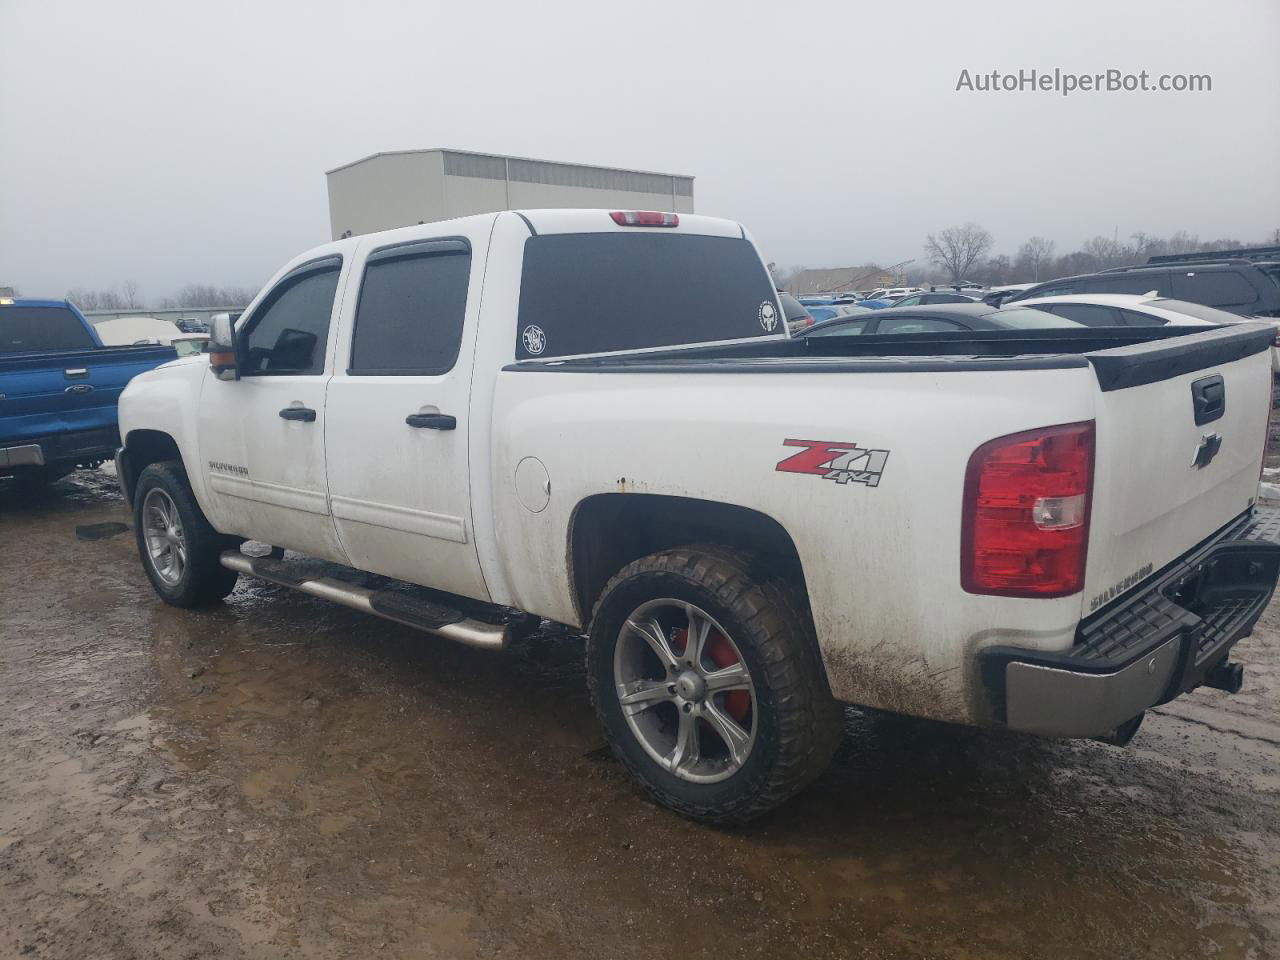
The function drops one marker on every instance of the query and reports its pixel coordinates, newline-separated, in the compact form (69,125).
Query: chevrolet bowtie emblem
(1210,444)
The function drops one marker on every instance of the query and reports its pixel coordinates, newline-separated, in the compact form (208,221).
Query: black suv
(1238,285)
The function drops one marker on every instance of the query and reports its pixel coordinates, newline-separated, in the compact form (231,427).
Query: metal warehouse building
(405,187)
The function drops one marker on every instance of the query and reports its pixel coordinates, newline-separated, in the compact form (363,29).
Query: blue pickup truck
(58,389)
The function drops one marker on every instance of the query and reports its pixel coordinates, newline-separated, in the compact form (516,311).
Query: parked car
(931,297)
(942,318)
(893,293)
(58,389)
(1239,286)
(997,296)
(749,528)
(796,315)
(1119,309)
(1128,310)
(187,344)
(822,313)
(191,325)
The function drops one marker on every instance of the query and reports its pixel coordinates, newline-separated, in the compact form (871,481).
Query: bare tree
(130,290)
(957,249)
(195,295)
(84,299)
(1034,256)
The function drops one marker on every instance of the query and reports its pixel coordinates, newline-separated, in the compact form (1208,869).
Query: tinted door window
(412,303)
(287,334)
(1221,288)
(600,292)
(918,325)
(32,329)
(1091,315)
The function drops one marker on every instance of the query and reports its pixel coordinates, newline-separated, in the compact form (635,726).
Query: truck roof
(32,302)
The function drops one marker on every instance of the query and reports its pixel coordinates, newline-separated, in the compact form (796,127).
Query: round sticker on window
(768,314)
(535,341)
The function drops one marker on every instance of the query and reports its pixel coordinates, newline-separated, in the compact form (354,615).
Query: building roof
(499,156)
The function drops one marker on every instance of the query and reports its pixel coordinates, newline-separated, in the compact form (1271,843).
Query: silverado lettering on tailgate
(832,460)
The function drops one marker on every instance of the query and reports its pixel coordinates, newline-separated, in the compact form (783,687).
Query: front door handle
(432,421)
(305,414)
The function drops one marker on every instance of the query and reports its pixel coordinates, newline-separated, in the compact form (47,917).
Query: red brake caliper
(736,702)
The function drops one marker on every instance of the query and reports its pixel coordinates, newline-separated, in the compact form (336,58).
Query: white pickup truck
(597,419)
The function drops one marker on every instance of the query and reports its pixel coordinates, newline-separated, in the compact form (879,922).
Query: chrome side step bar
(405,608)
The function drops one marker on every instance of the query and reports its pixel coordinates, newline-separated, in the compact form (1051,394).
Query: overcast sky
(171,141)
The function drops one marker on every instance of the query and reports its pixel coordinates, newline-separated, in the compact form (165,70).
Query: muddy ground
(280,777)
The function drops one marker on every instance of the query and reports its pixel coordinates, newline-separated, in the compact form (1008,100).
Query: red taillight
(644,218)
(1027,499)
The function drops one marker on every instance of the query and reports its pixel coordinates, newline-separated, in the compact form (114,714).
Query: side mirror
(222,347)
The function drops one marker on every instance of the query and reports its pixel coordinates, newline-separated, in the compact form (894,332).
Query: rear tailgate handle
(1209,399)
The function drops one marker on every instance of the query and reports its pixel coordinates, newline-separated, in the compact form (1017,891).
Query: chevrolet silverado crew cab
(597,419)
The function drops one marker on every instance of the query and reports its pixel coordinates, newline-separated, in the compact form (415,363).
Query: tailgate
(48,393)
(1163,482)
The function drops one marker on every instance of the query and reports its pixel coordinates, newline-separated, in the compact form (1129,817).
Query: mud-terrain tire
(796,724)
(162,504)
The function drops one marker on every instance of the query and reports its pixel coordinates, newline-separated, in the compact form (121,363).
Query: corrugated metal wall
(564,174)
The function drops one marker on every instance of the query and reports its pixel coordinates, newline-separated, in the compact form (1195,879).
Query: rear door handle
(305,414)
(432,421)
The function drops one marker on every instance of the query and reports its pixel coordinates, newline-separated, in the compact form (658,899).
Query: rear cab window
(26,329)
(585,293)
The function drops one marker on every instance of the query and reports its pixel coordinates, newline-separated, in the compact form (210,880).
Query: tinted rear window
(35,329)
(600,292)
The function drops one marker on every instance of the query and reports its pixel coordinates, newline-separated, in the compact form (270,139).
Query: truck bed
(1120,356)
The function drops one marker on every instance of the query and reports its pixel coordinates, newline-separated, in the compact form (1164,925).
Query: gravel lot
(281,777)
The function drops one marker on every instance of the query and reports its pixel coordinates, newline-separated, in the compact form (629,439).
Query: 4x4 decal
(831,460)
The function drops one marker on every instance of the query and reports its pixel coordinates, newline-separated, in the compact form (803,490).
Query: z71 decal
(841,462)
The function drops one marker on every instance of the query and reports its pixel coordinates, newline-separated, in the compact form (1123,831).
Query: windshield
(602,292)
(35,329)
(1024,318)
